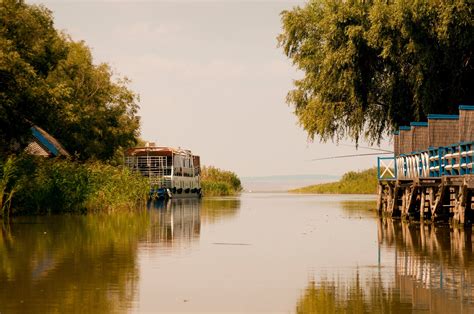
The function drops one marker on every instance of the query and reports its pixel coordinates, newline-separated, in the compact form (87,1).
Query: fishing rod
(348,156)
(370,148)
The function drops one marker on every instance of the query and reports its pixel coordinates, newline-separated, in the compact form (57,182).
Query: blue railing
(452,160)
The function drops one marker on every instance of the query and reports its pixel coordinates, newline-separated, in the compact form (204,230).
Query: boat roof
(157,150)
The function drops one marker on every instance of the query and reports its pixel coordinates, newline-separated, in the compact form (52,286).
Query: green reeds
(43,186)
(361,182)
(7,188)
(218,182)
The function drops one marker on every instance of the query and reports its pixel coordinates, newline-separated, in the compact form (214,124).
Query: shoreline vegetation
(360,182)
(51,81)
(35,186)
(218,182)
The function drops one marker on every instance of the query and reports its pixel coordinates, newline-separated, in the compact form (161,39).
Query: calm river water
(256,253)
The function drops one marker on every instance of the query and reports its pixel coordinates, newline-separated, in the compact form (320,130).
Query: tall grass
(218,182)
(361,182)
(63,186)
(7,188)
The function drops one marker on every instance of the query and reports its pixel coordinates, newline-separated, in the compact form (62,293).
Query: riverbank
(360,182)
(35,186)
(218,182)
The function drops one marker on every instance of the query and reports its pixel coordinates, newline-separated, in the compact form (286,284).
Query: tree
(371,66)
(97,115)
(29,48)
(48,79)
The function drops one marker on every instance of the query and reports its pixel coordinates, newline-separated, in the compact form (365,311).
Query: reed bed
(361,182)
(218,182)
(42,186)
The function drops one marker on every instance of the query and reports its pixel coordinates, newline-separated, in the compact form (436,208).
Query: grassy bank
(31,185)
(218,182)
(361,182)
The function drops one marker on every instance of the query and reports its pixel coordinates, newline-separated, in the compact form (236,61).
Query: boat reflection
(174,222)
(177,222)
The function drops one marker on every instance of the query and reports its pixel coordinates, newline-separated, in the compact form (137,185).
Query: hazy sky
(210,78)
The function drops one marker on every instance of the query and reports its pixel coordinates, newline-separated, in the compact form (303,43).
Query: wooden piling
(447,199)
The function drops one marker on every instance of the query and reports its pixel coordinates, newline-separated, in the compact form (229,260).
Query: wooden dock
(447,198)
(431,175)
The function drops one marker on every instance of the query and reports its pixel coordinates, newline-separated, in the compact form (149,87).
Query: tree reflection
(433,272)
(357,208)
(70,264)
(352,296)
(67,264)
(216,209)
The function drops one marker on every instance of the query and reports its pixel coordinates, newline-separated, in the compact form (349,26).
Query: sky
(210,79)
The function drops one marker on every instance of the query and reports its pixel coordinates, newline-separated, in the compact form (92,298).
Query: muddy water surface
(256,253)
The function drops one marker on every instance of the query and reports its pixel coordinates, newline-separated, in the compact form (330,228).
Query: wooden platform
(447,198)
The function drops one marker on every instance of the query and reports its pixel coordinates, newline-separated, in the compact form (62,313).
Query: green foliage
(217,182)
(362,182)
(61,186)
(371,66)
(96,116)
(7,189)
(49,80)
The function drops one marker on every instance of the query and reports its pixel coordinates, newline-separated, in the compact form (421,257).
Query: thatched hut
(44,144)
(405,139)
(443,129)
(419,136)
(466,123)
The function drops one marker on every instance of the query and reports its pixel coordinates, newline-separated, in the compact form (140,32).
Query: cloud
(154,65)
(147,30)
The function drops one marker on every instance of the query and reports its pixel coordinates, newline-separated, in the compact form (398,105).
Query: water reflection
(216,209)
(358,208)
(89,263)
(174,222)
(65,263)
(434,265)
(429,269)
(350,296)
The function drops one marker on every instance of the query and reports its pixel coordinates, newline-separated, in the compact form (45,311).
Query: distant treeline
(361,182)
(218,182)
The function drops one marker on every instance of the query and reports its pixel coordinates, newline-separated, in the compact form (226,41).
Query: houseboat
(173,173)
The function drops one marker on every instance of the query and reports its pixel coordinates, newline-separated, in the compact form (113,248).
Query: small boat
(173,173)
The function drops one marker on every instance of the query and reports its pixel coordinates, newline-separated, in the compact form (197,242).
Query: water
(284,183)
(261,252)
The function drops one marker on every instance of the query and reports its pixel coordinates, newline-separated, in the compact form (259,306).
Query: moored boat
(173,173)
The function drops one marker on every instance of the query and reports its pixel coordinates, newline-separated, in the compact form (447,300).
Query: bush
(217,182)
(63,186)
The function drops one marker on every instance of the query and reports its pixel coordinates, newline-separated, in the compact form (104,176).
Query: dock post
(380,191)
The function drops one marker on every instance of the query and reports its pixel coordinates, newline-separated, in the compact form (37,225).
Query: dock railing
(386,168)
(452,160)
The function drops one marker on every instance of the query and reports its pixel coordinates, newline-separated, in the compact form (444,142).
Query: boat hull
(165,193)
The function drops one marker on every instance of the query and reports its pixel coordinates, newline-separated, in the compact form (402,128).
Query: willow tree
(371,66)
